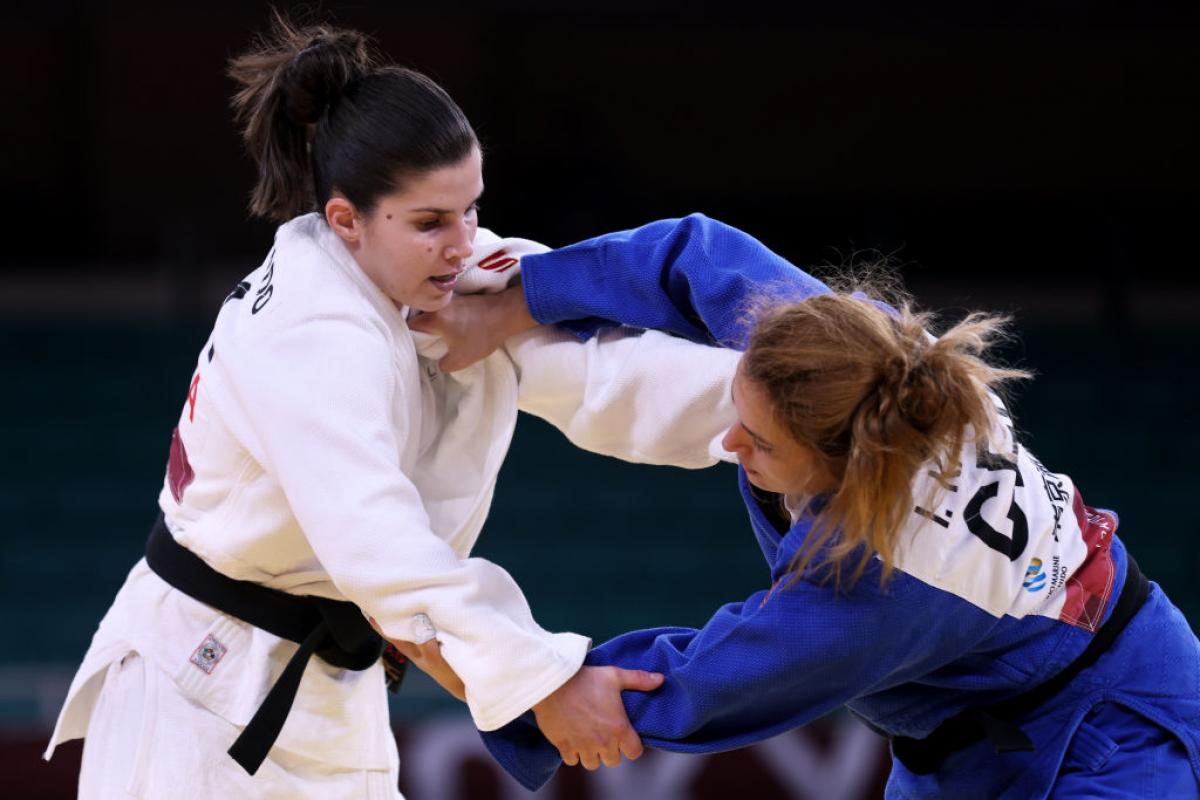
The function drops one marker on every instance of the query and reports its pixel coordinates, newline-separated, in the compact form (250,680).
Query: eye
(761,446)
(473,210)
(429,224)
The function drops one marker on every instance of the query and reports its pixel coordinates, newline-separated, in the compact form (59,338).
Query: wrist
(513,312)
(517,311)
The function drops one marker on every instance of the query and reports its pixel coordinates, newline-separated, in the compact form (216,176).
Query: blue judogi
(962,623)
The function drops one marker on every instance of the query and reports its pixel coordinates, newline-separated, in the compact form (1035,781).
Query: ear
(343,219)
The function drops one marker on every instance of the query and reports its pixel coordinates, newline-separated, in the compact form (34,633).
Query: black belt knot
(334,630)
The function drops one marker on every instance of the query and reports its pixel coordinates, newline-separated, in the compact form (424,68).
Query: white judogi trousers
(147,740)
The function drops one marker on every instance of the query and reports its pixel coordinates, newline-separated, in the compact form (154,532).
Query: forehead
(450,187)
(753,405)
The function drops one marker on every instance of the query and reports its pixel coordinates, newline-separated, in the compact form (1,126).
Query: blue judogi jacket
(997,588)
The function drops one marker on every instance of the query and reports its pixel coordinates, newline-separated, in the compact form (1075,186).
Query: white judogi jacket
(320,451)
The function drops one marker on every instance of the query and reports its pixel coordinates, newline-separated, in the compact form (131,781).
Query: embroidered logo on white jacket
(208,654)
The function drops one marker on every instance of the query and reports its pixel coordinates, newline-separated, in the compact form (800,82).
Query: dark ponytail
(319,115)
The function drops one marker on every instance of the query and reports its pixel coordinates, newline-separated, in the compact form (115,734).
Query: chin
(431,304)
(758,482)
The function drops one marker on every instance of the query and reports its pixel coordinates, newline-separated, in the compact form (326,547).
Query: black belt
(995,722)
(334,630)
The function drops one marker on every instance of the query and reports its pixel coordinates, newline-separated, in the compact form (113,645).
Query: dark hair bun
(320,72)
(319,114)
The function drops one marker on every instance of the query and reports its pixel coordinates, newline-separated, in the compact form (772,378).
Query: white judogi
(321,452)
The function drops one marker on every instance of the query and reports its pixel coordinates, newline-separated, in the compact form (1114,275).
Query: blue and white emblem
(1034,577)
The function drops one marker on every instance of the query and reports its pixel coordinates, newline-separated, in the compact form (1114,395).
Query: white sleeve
(642,397)
(321,399)
(495,262)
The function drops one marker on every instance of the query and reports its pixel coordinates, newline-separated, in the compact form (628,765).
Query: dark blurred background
(1034,158)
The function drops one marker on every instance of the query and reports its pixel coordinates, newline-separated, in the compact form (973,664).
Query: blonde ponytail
(878,399)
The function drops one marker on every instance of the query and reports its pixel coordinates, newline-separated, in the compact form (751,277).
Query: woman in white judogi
(322,452)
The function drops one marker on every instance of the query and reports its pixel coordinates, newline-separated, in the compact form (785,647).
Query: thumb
(453,362)
(639,680)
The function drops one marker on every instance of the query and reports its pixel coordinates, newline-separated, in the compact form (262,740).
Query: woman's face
(416,241)
(773,460)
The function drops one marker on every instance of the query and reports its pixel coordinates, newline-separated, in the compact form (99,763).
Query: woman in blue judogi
(926,570)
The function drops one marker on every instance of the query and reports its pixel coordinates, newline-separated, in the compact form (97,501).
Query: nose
(732,441)
(460,248)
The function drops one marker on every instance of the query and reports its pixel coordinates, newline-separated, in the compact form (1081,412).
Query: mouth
(445,283)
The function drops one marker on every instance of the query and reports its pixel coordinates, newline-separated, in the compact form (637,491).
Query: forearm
(694,277)
(645,398)
(509,313)
(486,634)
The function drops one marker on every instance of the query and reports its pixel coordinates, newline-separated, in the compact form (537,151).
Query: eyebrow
(440,211)
(760,440)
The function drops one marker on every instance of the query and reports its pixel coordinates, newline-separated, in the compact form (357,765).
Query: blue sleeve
(694,277)
(777,661)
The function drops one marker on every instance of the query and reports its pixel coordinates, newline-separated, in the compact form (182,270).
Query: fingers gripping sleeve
(778,660)
(751,672)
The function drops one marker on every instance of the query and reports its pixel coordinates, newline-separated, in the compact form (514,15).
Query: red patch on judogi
(500,261)
(179,471)
(1089,588)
